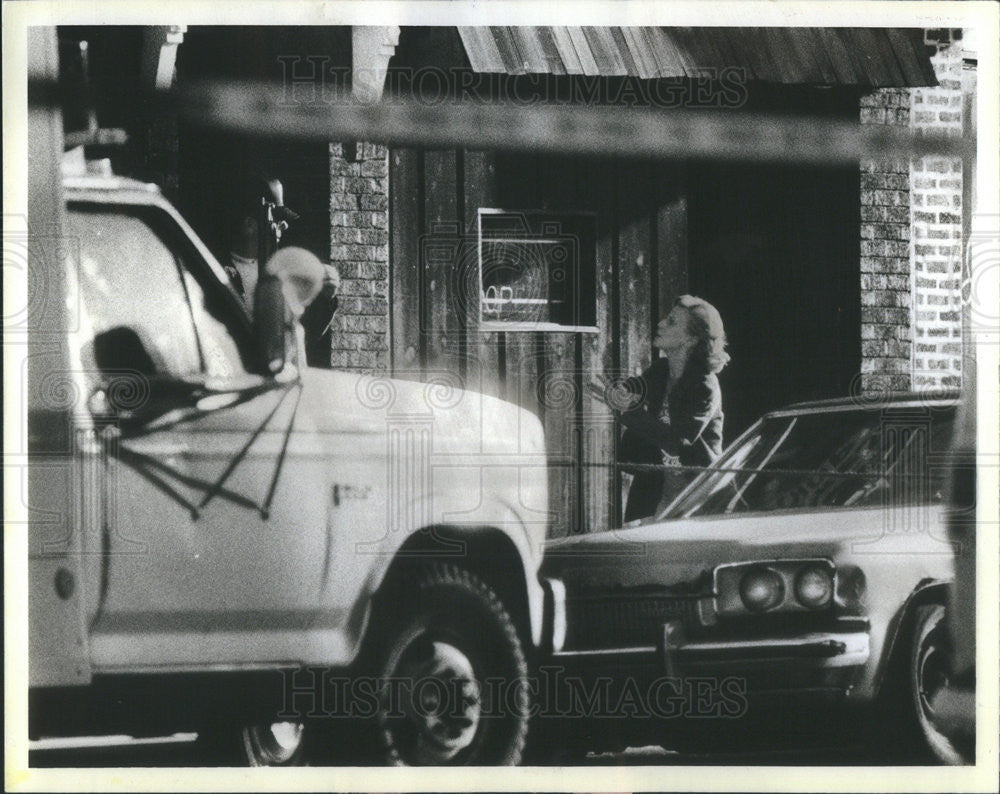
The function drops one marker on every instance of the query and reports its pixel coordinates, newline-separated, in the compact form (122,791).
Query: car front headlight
(814,587)
(761,589)
(768,586)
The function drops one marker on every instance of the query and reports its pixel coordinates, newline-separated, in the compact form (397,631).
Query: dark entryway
(775,249)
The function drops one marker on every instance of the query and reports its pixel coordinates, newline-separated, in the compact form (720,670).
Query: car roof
(873,402)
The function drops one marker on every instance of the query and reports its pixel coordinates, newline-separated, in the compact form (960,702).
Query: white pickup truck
(259,556)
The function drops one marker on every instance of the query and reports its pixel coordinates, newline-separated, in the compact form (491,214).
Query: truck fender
(520,589)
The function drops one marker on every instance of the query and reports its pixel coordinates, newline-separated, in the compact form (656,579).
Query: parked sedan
(811,561)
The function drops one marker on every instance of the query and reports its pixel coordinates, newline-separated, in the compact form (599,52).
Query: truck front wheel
(452,672)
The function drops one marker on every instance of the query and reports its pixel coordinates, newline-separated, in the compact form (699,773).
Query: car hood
(681,552)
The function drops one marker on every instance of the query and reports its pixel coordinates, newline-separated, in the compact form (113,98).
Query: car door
(194,568)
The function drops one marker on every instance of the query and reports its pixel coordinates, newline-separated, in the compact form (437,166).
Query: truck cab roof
(81,174)
(110,183)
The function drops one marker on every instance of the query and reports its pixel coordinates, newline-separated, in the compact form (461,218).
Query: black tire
(443,623)
(929,668)
(920,668)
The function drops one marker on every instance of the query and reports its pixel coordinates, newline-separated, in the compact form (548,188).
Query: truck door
(195,571)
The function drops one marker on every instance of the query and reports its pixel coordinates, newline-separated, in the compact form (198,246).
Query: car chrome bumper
(825,660)
(814,650)
(821,649)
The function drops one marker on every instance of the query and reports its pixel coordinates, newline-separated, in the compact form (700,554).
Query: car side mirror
(291,279)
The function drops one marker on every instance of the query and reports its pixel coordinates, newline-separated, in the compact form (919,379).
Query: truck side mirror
(269,323)
(291,279)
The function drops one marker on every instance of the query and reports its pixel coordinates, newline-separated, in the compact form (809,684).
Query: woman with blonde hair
(676,417)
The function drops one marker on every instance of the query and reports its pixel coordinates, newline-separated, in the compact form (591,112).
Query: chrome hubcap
(275,743)
(933,675)
(441,700)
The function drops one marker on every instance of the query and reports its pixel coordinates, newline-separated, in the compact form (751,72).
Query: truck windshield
(142,308)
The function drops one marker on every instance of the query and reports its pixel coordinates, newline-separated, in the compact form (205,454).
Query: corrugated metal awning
(870,57)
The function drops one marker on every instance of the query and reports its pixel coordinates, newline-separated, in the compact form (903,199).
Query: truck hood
(460,421)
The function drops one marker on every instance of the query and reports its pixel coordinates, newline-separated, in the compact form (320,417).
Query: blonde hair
(705,324)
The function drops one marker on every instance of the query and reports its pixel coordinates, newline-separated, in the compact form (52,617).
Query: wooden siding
(640,214)
(775,249)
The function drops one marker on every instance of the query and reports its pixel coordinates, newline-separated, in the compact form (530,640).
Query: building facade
(531,276)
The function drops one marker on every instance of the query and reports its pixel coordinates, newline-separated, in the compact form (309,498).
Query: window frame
(492,326)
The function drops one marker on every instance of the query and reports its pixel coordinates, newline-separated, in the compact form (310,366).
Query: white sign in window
(537,270)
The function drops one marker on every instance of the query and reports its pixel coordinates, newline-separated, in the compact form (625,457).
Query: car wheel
(928,669)
(274,744)
(447,643)
(264,744)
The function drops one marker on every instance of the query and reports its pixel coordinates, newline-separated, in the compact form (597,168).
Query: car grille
(616,621)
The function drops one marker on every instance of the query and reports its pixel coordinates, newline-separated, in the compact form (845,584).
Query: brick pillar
(936,197)
(886,334)
(359,247)
(911,233)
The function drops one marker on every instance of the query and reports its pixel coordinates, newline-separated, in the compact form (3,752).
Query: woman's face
(672,331)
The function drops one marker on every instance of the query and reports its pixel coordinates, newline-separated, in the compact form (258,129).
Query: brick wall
(886,332)
(936,205)
(359,247)
(911,230)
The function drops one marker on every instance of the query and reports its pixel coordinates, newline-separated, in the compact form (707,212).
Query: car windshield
(852,458)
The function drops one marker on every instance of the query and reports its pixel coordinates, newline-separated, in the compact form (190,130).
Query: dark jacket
(694,434)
